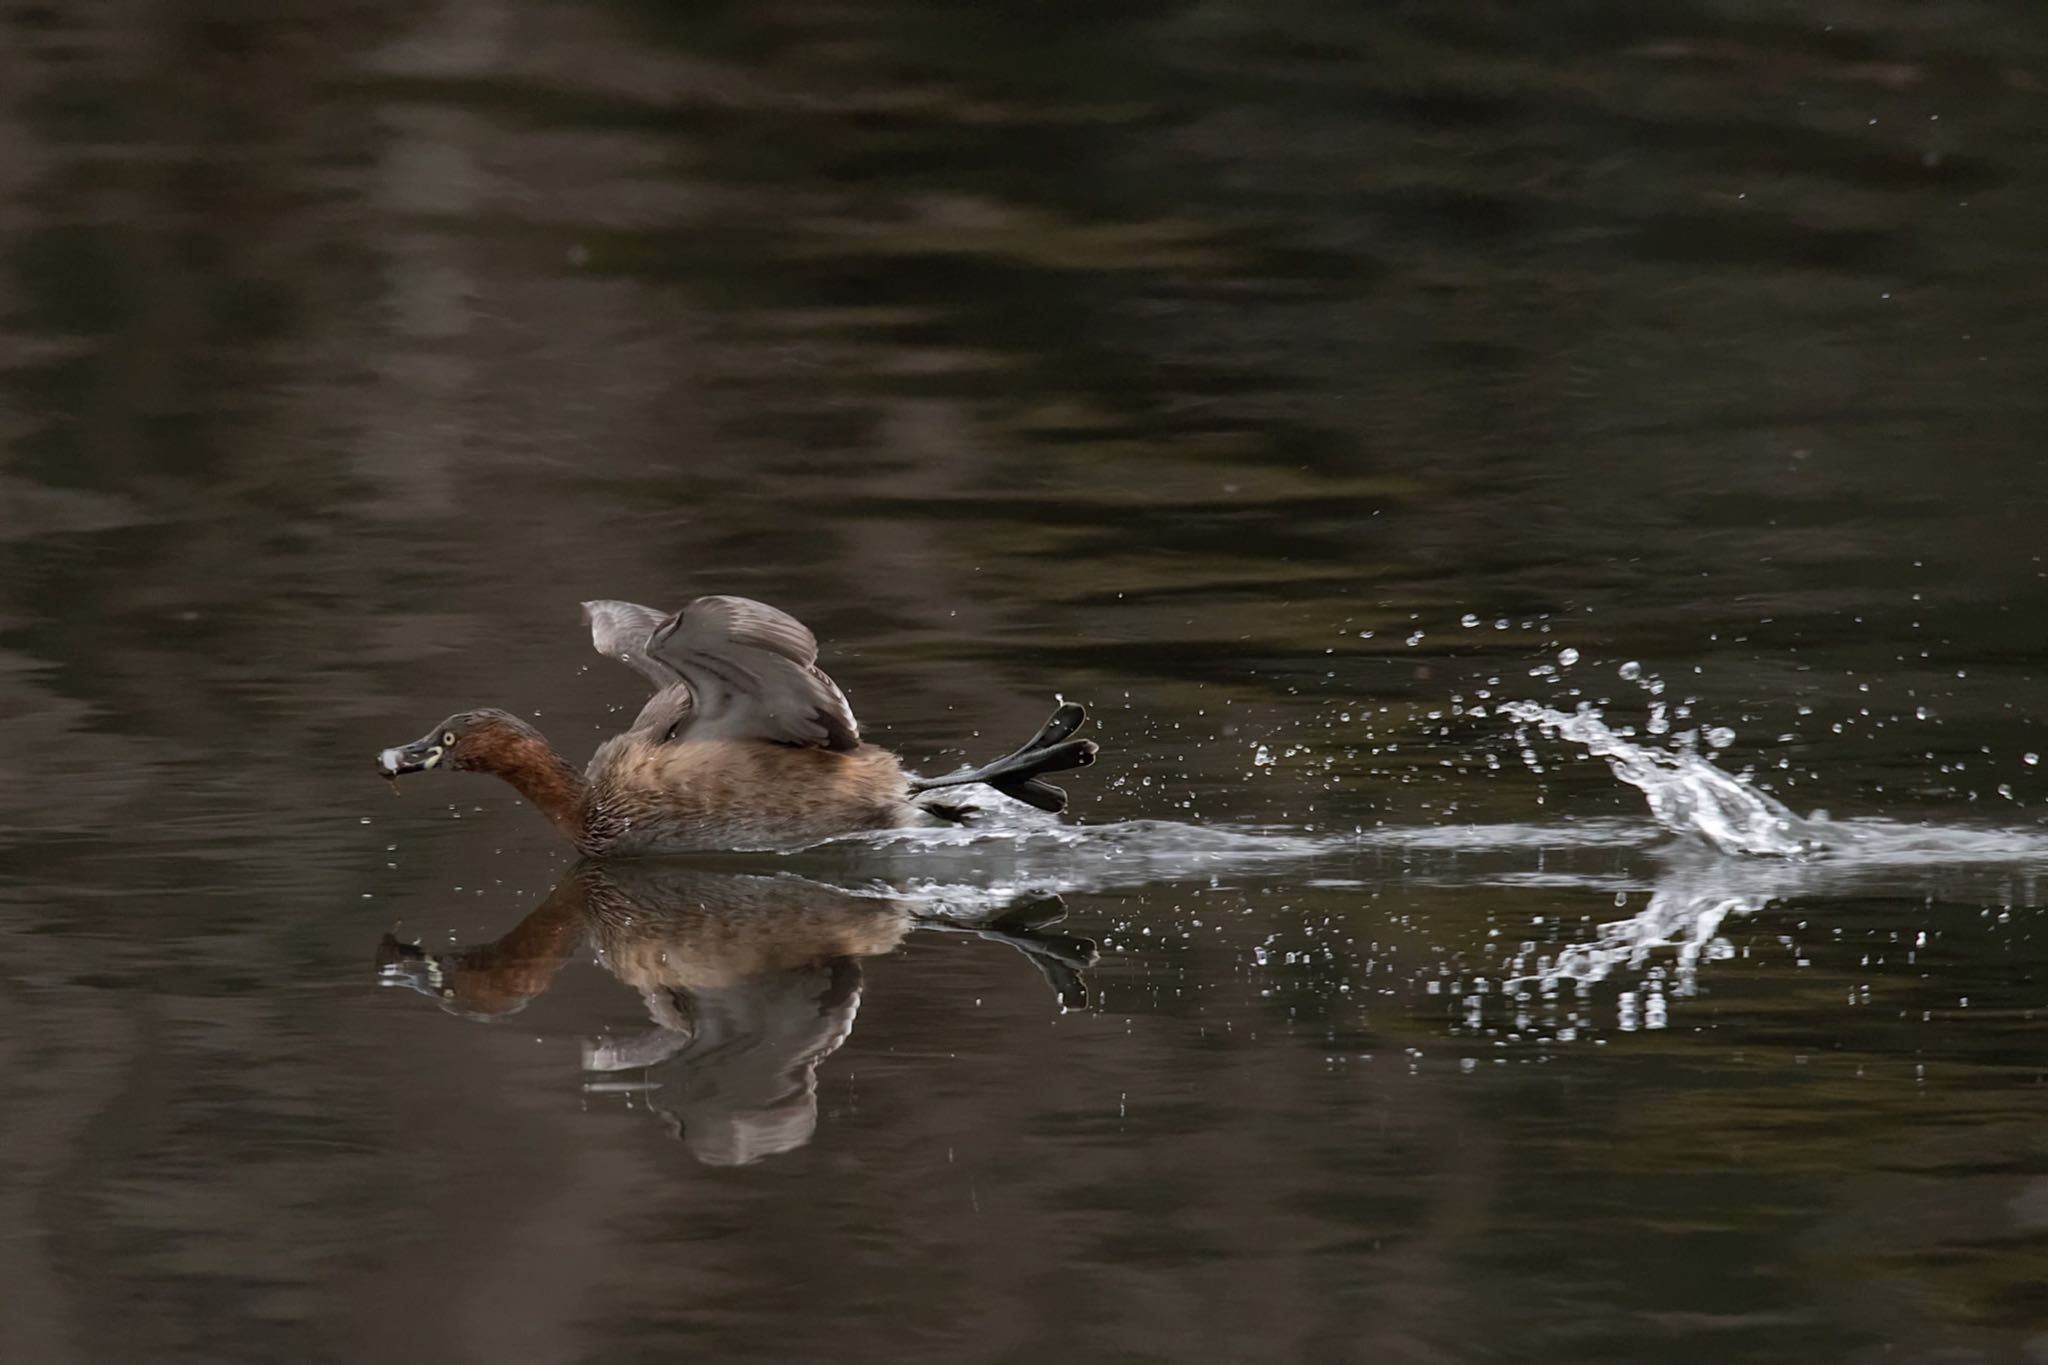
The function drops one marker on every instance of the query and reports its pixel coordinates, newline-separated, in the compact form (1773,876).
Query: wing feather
(753,674)
(619,630)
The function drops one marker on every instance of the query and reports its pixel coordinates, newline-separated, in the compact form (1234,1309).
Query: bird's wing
(753,674)
(619,630)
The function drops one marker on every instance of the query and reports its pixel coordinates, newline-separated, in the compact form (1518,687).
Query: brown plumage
(746,744)
(732,793)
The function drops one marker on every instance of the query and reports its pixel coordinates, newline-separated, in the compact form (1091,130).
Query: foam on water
(1025,828)
(1599,833)
(1874,842)
(1042,855)
(1039,853)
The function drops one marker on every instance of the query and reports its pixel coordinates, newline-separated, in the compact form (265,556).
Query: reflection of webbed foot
(1060,958)
(1030,912)
(1020,924)
(1069,987)
(1066,950)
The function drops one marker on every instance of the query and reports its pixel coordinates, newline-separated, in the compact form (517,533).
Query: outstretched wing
(619,630)
(753,674)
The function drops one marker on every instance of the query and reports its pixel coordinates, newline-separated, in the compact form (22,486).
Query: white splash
(1687,794)
(1685,913)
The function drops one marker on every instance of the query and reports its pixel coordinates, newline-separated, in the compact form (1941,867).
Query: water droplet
(1631,671)
(1720,737)
(1567,656)
(2031,760)
(1468,620)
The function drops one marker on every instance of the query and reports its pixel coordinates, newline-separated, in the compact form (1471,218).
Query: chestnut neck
(534,770)
(497,978)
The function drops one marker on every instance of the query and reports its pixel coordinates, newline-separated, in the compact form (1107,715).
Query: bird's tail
(1015,775)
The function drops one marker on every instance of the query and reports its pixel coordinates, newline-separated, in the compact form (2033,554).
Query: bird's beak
(415,757)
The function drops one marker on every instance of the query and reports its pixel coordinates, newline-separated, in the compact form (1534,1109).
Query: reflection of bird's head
(458,981)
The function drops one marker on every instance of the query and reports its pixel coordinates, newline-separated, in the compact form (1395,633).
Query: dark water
(1207,363)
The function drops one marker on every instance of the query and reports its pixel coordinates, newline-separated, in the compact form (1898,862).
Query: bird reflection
(749,983)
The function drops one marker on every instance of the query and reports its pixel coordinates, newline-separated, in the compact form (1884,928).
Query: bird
(745,745)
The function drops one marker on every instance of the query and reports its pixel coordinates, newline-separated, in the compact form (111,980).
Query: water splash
(1684,914)
(1687,794)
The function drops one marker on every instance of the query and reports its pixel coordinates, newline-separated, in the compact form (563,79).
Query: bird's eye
(447,737)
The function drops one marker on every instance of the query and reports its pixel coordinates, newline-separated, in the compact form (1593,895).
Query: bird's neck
(497,978)
(534,770)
